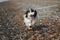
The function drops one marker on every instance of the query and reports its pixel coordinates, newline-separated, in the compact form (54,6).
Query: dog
(30,18)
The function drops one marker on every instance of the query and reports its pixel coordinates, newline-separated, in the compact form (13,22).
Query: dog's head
(31,13)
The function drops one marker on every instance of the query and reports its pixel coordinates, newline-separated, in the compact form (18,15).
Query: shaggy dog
(30,18)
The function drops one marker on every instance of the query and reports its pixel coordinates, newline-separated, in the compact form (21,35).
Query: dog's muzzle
(31,17)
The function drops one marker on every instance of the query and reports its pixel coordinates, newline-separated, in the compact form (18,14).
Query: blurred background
(45,8)
(12,26)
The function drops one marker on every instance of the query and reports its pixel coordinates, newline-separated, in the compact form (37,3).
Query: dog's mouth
(32,16)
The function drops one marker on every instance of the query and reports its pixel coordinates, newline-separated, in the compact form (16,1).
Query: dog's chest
(29,22)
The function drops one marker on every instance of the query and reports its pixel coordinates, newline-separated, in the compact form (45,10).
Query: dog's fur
(30,17)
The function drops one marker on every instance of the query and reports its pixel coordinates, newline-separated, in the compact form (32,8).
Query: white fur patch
(29,22)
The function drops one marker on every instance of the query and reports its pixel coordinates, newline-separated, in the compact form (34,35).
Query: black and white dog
(30,18)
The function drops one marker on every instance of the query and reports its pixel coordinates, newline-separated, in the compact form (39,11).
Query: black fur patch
(27,13)
(32,10)
(35,12)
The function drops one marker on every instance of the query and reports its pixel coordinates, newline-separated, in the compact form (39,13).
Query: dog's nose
(30,26)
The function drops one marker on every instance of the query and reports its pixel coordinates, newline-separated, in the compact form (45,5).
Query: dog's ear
(27,13)
(35,14)
(32,10)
